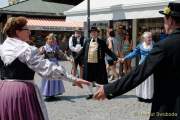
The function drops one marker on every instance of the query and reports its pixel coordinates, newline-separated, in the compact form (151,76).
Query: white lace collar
(147,46)
(11,49)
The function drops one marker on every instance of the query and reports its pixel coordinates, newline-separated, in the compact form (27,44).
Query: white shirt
(13,48)
(78,46)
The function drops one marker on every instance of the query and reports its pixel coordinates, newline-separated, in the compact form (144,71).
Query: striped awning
(53,24)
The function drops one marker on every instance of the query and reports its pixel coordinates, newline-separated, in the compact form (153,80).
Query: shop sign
(51,28)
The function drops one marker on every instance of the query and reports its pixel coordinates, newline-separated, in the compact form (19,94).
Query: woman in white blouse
(18,63)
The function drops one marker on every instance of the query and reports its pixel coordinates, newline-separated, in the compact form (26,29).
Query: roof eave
(32,13)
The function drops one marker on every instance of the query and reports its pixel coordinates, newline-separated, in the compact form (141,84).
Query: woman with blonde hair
(145,90)
(51,88)
(20,98)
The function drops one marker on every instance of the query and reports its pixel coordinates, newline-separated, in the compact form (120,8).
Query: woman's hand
(79,82)
(121,60)
(41,50)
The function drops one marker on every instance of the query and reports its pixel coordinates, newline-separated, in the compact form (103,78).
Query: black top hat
(173,9)
(94,29)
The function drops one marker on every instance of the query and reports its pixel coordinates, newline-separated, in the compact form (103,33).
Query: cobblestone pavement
(72,105)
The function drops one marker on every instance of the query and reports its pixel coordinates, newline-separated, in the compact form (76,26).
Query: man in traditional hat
(76,42)
(94,63)
(164,62)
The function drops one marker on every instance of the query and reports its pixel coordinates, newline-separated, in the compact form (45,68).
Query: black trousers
(94,73)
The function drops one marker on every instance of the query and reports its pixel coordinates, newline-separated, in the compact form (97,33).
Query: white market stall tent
(100,10)
(103,10)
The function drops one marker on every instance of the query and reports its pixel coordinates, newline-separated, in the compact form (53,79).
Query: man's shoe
(89,96)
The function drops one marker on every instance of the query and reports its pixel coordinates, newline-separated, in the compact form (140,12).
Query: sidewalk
(72,105)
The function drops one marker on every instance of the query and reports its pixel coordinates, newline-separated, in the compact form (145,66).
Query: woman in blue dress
(51,88)
(145,90)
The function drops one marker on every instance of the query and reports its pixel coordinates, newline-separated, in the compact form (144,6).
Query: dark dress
(96,71)
(164,62)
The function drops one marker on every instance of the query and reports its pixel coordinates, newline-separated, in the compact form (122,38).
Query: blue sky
(3,3)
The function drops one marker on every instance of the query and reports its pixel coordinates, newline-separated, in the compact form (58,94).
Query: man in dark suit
(164,62)
(94,51)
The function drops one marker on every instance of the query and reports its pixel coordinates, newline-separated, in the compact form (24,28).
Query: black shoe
(144,100)
(148,100)
(49,98)
(140,99)
(93,84)
(89,97)
(73,84)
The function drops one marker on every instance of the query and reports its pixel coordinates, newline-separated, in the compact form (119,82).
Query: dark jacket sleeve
(136,76)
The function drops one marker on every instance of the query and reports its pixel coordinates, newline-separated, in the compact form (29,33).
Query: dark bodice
(49,55)
(16,70)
